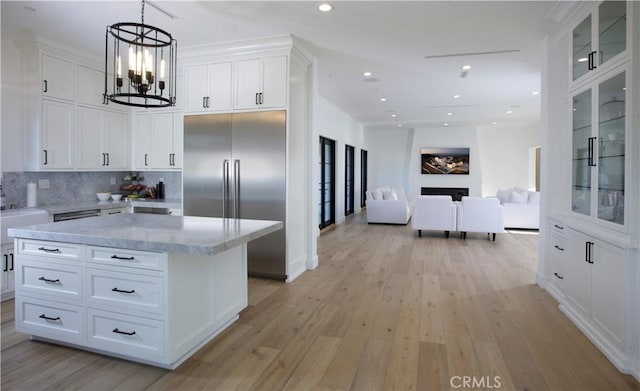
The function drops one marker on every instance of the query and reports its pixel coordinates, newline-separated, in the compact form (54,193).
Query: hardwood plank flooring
(385,310)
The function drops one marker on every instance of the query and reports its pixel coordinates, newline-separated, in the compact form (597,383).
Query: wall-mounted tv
(447,161)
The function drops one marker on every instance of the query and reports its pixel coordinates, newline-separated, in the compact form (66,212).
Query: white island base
(84,284)
(173,311)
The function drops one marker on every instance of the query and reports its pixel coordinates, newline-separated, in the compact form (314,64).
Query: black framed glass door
(327,185)
(349,180)
(363,178)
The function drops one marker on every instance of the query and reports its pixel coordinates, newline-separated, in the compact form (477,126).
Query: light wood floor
(385,310)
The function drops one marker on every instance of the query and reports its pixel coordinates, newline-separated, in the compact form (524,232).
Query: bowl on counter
(103,196)
(116,197)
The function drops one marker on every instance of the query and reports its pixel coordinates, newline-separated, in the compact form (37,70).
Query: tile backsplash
(68,187)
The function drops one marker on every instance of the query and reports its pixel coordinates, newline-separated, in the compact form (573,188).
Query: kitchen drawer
(55,280)
(123,334)
(127,258)
(57,250)
(557,245)
(125,290)
(557,274)
(557,226)
(48,319)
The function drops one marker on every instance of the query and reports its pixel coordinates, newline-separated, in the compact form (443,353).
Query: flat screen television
(445,161)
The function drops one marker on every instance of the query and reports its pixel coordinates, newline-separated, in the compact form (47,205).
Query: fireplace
(455,192)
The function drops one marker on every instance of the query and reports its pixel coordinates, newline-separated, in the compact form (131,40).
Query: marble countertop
(102,205)
(179,234)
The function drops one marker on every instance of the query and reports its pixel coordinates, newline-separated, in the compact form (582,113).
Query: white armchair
(434,213)
(478,214)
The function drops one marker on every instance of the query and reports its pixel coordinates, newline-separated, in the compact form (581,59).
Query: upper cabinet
(600,39)
(208,88)
(158,141)
(599,157)
(261,83)
(58,78)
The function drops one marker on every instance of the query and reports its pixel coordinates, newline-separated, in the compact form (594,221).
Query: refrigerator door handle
(225,187)
(236,193)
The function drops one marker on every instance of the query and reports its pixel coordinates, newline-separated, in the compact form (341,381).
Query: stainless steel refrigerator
(234,167)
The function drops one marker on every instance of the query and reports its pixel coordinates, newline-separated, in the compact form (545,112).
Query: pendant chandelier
(150,55)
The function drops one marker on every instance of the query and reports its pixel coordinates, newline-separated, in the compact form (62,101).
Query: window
(363,178)
(349,180)
(326,188)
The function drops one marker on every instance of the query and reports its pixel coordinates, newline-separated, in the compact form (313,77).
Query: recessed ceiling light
(399,125)
(449,114)
(494,123)
(383,99)
(583,59)
(366,74)
(624,88)
(535,93)
(465,67)
(445,124)
(456,96)
(325,7)
(509,111)
(394,115)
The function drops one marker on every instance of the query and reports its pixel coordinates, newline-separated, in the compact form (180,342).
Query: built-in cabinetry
(8,268)
(67,125)
(208,87)
(261,83)
(592,237)
(127,303)
(157,141)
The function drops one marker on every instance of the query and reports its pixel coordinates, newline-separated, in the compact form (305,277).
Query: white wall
(504,154)
(11,137)
(331,122)
(389,151)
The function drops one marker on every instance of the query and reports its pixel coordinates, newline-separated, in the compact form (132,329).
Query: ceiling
(390,39)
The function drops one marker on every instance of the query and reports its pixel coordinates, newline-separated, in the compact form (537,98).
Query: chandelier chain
(142,12)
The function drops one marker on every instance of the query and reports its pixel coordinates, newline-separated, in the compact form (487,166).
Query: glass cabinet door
(612,16)
(611,148)
(581,48)
(582,154)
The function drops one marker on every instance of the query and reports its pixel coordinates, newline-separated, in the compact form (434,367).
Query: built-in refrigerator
(235,167)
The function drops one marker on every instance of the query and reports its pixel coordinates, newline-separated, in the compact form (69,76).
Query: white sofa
(480,214)
(387,206)
(521,208)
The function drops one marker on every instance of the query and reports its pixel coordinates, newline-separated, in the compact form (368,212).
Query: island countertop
(176,234)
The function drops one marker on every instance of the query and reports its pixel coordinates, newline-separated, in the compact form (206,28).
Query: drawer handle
(558,226)
(123,258)
(43,316)
(121,291)
(123,332)
(559,276)
(56,281)
(558,247)
(49,250)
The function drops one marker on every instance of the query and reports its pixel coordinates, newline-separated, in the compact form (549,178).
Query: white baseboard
(296,268)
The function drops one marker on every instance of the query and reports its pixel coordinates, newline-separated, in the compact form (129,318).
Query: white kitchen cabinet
(8,270)
(57,135)
(261,83)
(208,88)
(596,286)
(58,78)
(102,139)
(158,139)
(90,86)
(600,39)
(556,253)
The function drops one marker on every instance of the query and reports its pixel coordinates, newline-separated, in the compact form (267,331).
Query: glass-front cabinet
(599,38)
(599,157)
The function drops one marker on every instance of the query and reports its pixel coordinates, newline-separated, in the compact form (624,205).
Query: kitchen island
(148,288)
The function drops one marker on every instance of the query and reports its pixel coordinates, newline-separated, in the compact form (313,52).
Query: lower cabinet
(8,267)
(152,307)
(596,289)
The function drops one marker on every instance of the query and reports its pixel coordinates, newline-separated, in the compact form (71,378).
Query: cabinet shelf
(612,120)
(582,128)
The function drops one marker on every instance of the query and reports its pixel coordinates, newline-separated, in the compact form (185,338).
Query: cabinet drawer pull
(6,263)
(204,100)
(46,86)
(145,159)
(49,250)
(257,101)
(107,158)
(559,276)
(12,263)
(123,332)
(45,317)
(122,291)
(558,226)
(56,281)
(261,98)
(46,158)
(123,258)
(558,247)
